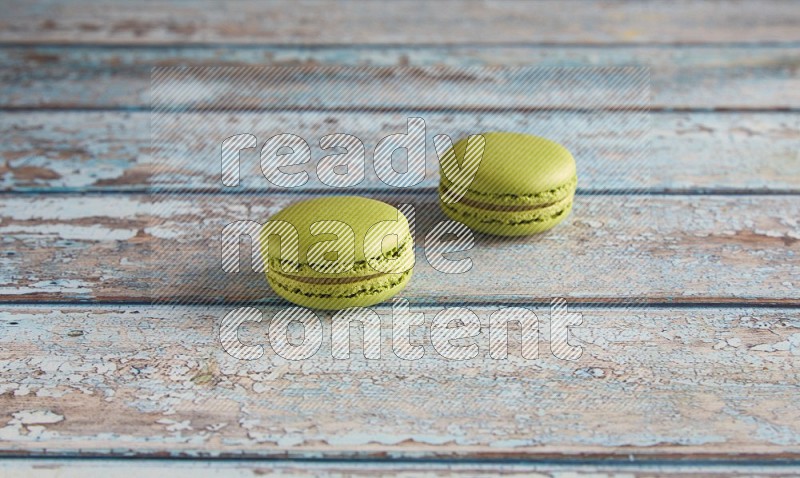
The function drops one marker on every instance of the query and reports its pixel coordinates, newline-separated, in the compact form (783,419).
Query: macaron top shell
(518,165)
(359,213)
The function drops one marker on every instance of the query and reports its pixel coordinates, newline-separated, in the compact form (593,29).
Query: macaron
(337,252)
(524,185)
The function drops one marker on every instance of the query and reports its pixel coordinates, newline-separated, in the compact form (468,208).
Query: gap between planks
(610,303)
(409,110)
(586,462)
(94,45)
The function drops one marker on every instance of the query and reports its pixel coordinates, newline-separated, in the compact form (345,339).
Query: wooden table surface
(690,366)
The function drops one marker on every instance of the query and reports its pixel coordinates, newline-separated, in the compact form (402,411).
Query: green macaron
(524,185)
(337,252)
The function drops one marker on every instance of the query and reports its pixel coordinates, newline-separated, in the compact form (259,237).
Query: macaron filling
(363,286)
(543,214)
(517,200)
(361,281)
(501,207)
(512,209)
(359,269)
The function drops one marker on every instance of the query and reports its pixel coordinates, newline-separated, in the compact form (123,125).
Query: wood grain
(727,77)
(499,88)
(417,22)
(111,151)
(199,468)
(156,382)
(677,249)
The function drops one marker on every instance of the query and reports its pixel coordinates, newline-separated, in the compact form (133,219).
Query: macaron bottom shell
(364,293)
(516,223)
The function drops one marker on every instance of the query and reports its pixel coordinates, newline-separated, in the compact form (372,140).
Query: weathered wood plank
(416,22)
(654,248)
(110,151)
(335,87)
(74,151)
(685,77)
(122,468)
(651,384)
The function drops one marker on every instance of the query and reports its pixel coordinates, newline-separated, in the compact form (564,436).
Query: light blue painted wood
(682,77)
(410,22)
(683,249)
(651,384)
(691,152)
